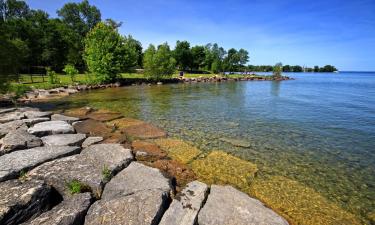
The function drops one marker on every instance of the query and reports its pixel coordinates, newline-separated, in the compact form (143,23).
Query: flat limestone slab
(104,115)
(144,131)
(91,140)
(86,167)
(51,127)
(11,126)
(18,140)
(185,207)
(92,128)
(226,205)
(33,121)
(136,177)
(20,201)
(13,163)
(36,114)
(60,117)
(141,208)
(64,139)
(69,212)
(10,116)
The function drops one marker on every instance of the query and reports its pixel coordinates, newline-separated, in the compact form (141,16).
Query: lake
(318,129)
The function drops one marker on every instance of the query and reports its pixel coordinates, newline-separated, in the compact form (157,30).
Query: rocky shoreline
(97,167)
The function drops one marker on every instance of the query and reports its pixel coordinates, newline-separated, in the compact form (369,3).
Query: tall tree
(159,63)
(107,53)
(198,55)
(183,55)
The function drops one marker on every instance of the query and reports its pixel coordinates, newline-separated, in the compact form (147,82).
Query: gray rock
(70,91)
(136,177)
(7,117)
(60,117)
(22,201)
(71,211)
(51,127)
(37,114)
(7,110)
(236,142)
(185,207)
(64,139)
(30,122)
(87,168)
(13,163)
(17,140)
(5,128)
(226,205)
(141,208)
(91,140)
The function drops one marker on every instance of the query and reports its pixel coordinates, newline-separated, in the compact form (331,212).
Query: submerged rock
(67,119)
(125,122)
(185,207)
(226,205)
(64,139)
(236,142)
(147,151)
(295,201)
(178,149)
(91,140)
(51,127)
(69,212)
(92,128)
(222,168)
(93,167)
(78,112)
(144,131)
(13,163)
(20,201)
(17,140)
(104,115)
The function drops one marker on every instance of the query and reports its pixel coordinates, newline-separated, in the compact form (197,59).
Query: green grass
(76,187)
(106,172)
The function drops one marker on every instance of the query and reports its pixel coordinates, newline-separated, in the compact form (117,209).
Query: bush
(53,78)
(277,69)
(71,71)
(159,63)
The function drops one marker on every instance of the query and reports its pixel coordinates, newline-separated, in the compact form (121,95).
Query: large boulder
(93,167)
(138,195)
(13,163)
(141,208)
(64,139)
(20,201)
(136,177)
(185,207)
(11,126)
(19,139)
(60,117)
(51,127)
(91,140)
(71,211)
(226,205)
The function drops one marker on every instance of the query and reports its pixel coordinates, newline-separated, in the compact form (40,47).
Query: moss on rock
(178,149)
(222,168)
(124,122)
(300,204)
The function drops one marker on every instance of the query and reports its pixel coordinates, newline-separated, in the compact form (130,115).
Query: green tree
(316,69)
(107,53)
(183,55)
(159,63)
(199,55)
(71,71)
(243,57)
(277,69)
(328,68)
(297,68)
(286,68)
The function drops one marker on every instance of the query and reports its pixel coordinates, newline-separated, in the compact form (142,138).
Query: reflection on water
(318,130)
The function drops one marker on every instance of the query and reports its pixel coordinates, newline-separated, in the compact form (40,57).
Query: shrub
(52,76)
(159,63)
(277,69)
(71,71)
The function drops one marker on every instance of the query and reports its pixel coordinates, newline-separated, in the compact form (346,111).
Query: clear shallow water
(318,129)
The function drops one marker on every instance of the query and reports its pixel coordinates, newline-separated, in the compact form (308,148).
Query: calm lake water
(318,129)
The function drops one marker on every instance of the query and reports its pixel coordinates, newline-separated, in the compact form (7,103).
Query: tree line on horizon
(78,39)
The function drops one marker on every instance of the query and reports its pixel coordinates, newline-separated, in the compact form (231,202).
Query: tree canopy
(159,63)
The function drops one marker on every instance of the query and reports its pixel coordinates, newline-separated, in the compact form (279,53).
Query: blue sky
(301,32)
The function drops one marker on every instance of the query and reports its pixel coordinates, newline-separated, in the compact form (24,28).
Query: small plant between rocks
(23,176)
(106,172)
(76,187)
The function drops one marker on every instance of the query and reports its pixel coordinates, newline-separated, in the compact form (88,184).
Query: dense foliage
(159,63)
(107,53)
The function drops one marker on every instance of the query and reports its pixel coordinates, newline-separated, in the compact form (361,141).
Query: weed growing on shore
(106,172)
(75,187)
